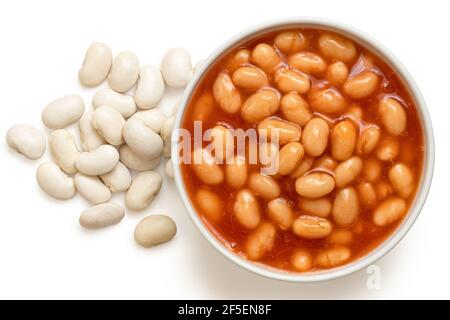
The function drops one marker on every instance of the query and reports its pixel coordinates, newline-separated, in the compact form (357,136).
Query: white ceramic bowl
(417,98)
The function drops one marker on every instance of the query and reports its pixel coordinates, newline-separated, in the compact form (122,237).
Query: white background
(44,253)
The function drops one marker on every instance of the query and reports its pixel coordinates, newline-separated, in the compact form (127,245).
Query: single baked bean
(143,190)
(206,168)
(101,216)
(176,67)
(337,73)
(368,139)
(341,237)
(63,111)
(249,78)
(302,260)
(261,241)
(290,42)
(343,140)
(90,139)
(236,172)
(246,209)
(367,194)
(226,94)
(264,186)
(268,157)
(287,132)
(289,157)
(54,181)
(361,86)
(210,204)
(121,102)
(389,211)
(315,207)
(337,48)
(96,65)
(153,118)
(146,143)
(309,227)
(117,180)
(314,185)
(308,62)
(280,213)
(402,179)
(203,107)
(26,140)
(304,166)
(383,189)
(388,148)
(150,87)
(325,162)
(355,112)
(372,169)
(295,109)
(265,57)
(240,58)
(64,150)
(333,257)
(393,116)
(260,105)
(132,161)
(154,230)
(222,141)
(347,171)
(345,206)
(99,161)
(315,136)
(108,122)
(328,100)
(124,72)
(92,188)
(289,80)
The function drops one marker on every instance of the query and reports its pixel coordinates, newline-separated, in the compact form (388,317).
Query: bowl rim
(428,163)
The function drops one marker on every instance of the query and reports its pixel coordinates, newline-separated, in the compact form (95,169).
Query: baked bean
(333,257)
(347,171)
(206,168)
(337,73)
(328,100)
(367,194)
(204,106)
(383,189)
(308,62)
(249,78)
(402,179)
(309,227)
(341,237)
(222,141)
(372,169)
(302,260)
(304,166)
(345,206)
(246,209)
(355,111)
(315,207)
(236,172)
(287,132)
(314,185)
(261,241)
(264,186)
(280,213)
(210,204)
(295,109)
(260,105)
(361,86)
(368,139)
(290,155)
(290,42)
(388,148)
(237,60)
(265,57)
(343,140)
(315,136)
(288,80)
(389,211)
(325,162)
(393,116)
(226,94)
(268,157)
(337,48)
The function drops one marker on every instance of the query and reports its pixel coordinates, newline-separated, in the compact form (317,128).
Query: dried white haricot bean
(26,140)
(143,190)
(166,135)
(102,215)
(132,161)
(63,111)
(90,139)
(154,230)
(176,67)
(54,181)
(92,188)
(98,161)
(117,180)
(150,87)
(64,150)
(96,65)
(168,168)
(145,142)
(109,122)
(121,102)
(153,118)
(124,72)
